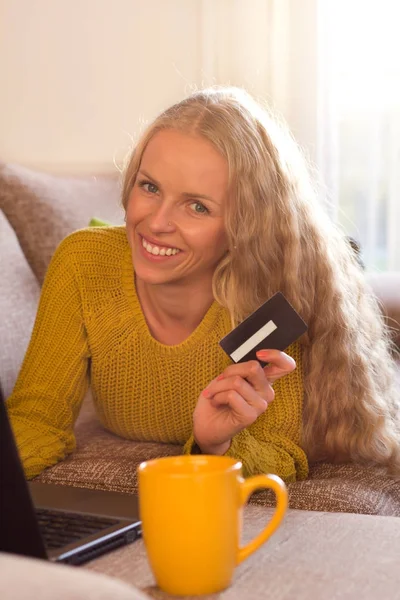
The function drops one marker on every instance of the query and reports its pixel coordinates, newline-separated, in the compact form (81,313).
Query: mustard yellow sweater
(90,329)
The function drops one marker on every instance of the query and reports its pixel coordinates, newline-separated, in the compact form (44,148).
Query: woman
(220,214)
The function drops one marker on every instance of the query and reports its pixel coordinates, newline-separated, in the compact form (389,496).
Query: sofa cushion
(105,461)
(24,578)
(342,488)
(19,295)
(44,208)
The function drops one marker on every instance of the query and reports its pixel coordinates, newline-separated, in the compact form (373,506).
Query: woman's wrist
(217,449)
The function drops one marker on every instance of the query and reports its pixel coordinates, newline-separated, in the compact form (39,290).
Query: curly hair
(279,238)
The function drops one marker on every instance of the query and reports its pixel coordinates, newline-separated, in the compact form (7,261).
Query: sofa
(37,210)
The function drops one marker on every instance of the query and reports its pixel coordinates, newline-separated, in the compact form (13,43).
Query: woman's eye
(149,187)
(199,208)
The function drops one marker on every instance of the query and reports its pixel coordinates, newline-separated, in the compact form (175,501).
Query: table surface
(313,555)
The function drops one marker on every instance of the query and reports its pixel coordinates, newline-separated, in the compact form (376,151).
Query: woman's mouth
(158,250)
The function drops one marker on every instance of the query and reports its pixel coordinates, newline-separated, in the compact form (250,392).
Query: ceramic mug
(191,508)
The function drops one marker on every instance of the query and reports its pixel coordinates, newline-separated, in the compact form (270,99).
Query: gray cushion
(26,578)
(44,208)
(19,295)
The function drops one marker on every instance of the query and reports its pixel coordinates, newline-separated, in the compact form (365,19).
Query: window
(360,67)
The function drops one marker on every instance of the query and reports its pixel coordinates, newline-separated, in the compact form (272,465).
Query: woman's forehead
(173,155)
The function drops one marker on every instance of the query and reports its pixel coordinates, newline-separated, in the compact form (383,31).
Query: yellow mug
(190,507)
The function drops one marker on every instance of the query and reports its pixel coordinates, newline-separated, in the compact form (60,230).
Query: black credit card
(274,325)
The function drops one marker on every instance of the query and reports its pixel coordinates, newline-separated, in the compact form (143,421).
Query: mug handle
(247,487)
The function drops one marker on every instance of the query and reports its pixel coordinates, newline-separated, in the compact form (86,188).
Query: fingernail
(262,352)
(220,377)
(206,393)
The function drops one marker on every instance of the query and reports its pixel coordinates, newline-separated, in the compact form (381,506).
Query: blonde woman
(220,214)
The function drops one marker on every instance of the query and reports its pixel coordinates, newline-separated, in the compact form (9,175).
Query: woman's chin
(152,275)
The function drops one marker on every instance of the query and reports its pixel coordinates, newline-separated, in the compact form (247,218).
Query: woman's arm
(54,377)
(242,416)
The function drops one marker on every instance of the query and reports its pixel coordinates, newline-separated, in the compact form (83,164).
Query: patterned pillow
(44,208)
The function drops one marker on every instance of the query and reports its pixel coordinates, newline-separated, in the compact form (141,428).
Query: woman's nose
(161,219)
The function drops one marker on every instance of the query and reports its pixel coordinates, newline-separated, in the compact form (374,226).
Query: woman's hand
(235,399)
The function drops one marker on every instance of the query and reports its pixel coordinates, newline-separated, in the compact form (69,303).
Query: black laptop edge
(19,529)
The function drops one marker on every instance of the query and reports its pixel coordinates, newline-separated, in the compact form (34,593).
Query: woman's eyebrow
(186,194)
(142,172)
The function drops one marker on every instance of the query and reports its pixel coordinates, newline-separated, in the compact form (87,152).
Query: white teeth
(157,250)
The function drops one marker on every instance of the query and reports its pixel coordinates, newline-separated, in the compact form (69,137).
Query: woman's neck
(173,311)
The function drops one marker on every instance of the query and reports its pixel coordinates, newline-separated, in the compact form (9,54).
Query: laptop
(54,522)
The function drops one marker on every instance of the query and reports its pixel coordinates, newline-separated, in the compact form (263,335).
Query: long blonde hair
(279,238)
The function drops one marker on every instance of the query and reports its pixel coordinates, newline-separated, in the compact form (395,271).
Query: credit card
(274,325)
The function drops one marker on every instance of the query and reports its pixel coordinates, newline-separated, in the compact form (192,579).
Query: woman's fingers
(243,411)
(247,387)
(280,364)
(256,398)
(252,371)
(280,359)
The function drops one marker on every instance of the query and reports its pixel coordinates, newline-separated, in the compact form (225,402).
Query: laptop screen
(19,532)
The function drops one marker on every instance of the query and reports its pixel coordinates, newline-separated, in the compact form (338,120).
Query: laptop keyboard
(59,528)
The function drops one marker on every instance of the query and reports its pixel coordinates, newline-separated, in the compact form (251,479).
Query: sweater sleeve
(54,376)
(275,453)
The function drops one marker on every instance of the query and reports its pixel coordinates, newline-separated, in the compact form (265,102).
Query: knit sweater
(90,330)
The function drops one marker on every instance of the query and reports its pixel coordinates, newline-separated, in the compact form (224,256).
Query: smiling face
(174,216)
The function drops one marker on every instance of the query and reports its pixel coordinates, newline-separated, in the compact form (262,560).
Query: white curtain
(292,53)
(360,92)
(269,47)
